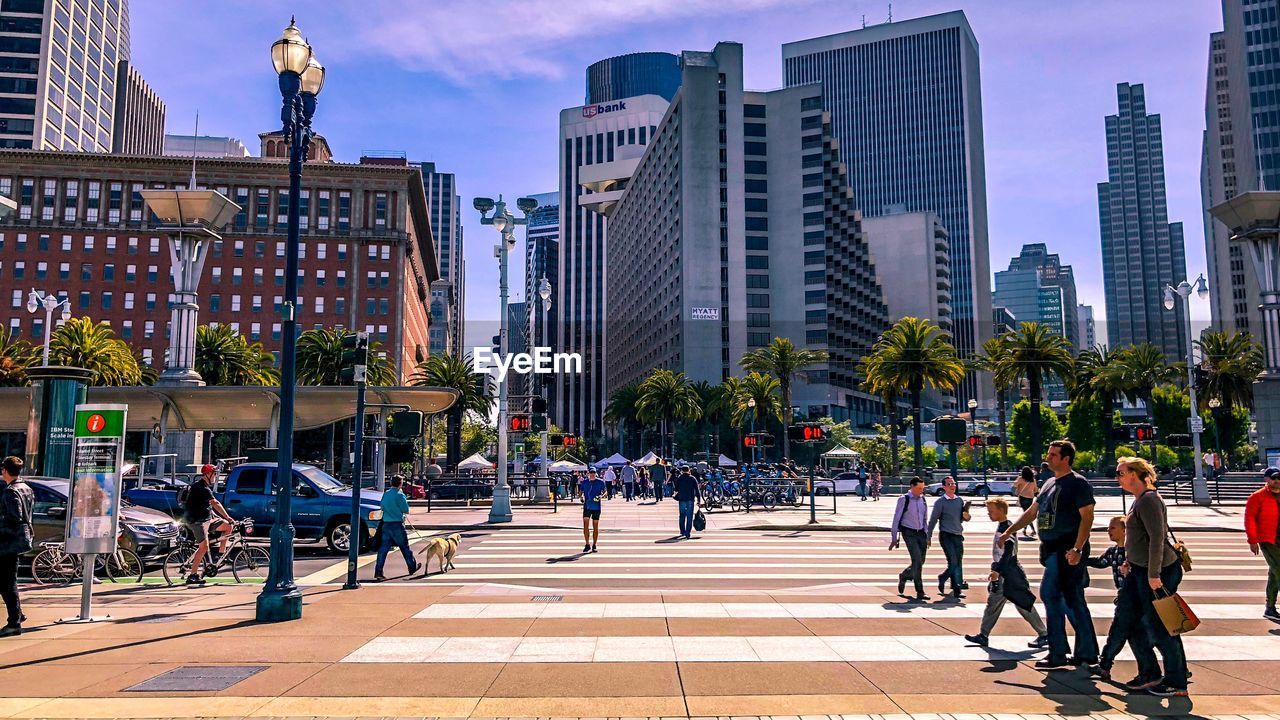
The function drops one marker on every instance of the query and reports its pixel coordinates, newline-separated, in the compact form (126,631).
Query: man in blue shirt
(395,506)
(592,488)
(910,520)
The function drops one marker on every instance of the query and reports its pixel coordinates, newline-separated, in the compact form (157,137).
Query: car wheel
(435,495)
(338,537)
(823,492)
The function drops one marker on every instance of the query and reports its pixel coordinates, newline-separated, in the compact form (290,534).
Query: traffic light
(538,423)
(806,433)
(519,423)
(399,451)
(1122,434)
(405,425)
(750,441)
(950,430)
(758,440)
(993,440)
(538,405)
(355,353)
(567,440)
(1144,432)
(976,441)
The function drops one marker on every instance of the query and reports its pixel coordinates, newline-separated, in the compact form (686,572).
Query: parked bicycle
(246,562)
(55,566)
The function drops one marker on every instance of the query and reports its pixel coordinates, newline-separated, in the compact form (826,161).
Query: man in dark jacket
(686,492)
(16,500)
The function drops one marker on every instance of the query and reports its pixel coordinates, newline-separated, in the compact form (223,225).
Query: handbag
(1175,613)
(1184,555)
(699,521)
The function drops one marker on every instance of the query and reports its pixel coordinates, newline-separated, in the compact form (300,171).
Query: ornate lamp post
(1214,405)
(39,299)
(503,221)
(543,491)
(301,78)
(1199,489)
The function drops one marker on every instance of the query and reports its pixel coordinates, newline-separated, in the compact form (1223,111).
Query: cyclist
(198,511)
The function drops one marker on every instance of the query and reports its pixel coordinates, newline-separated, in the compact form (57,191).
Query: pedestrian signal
(562,440)
(976,441)
(806,433)
(1144,433)
(519,423)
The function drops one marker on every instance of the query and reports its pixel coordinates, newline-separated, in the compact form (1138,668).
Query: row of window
(377,332)
(106,301)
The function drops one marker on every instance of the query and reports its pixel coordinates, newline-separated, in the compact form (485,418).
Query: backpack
(183,492)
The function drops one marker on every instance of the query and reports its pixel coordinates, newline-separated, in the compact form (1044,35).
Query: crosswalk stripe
(455,576)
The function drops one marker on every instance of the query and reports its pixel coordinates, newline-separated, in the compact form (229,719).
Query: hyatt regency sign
(704,313)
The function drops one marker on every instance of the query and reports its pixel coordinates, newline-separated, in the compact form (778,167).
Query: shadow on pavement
(133,644)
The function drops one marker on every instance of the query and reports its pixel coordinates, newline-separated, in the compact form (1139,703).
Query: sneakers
(1164,690)
(1141,682)
(413,570)
(194,579)
(586,548)
(1271,614)
(979,640)
(1100,672)
(1053,664)
(1039,643)
(10,630)
(593,548)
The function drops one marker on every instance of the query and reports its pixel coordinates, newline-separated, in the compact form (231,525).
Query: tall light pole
(543,491)
(973,430)
(503,221)
(751,403)
(1199,488)
(301,78)
(38,299)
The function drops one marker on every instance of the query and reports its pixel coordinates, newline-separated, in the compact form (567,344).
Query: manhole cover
(194,678)
(547,598)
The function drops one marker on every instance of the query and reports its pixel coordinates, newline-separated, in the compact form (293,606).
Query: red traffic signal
(750,441)
(1144,433)
(519,423)
(806,433)
(976,441)
(562,440)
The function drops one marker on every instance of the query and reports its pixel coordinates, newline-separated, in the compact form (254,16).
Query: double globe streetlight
(543,491)
(38,299)
(1199,488)
(301,78)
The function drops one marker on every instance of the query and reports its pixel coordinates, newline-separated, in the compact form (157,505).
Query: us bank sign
(590,111)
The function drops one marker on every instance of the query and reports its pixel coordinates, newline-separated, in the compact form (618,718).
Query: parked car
(321,504)
(975,486)
(148,533)
(460,489)
(846,483)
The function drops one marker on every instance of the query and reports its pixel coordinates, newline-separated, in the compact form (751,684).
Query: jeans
(1122,624)
(953,549)
(629,491)
(917,544)
(862,489)
(393,534)
(1062,590)
(1271,552)
(995,605)
(686,517)
(9,587)
(1149,633)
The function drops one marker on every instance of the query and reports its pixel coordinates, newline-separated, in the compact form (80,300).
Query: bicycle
(55,566)
(244,560)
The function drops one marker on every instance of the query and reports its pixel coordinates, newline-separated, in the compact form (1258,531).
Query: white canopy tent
(647,460)
(614,459)
(475,462)
(568,465)
(724,461)
(840,452)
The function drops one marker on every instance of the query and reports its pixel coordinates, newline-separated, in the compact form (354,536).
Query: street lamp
(1214,405)
(973,424)
(751,403)
(543,491)
(301,78)
(38,299)
(1199,489)
(505,223)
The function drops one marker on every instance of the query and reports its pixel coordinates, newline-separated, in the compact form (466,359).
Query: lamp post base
(542,491)
(500,511)
(277,606)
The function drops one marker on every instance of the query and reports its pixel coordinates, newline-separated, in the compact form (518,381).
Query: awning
(615,459)
(648,459)
(840,451)
(235,408)
(475,462)
(726,461)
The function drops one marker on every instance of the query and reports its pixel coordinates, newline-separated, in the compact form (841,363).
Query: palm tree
(225,357)
(726,402)
(989,360)
(783,360)
(15,357)
(708,400)
(667,396)
(474,394)
(320,359)
(1139,370)
(910,355)
(1095,378)
(875,382)
(1035,352)
(80,342)
(765,392)
(1232,364)
(621,410)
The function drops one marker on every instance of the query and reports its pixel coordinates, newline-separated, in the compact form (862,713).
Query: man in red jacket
(1262,526)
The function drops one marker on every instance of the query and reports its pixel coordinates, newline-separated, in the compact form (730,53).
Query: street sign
(97,459)
(1197,424)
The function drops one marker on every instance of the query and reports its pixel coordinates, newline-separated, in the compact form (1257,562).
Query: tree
(622,411)
(1085,425)
(1035,352)
(1022,429)
(726,404)
(474,395)
(765,391)
(667,397)
(990,360)
(912,354)
(225,357)
(320,360)
(80,342)
(1097,381)
(783,360)
(880,383)
(1139,370)
(1232,363)
(1171,410)
(477,436)
(15,357)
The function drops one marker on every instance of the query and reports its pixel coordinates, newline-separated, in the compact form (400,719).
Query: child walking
(1008,582)
(1114,558)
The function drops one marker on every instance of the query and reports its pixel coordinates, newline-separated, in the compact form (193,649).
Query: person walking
(1007,582)
(1113,558)
(395,506)
(1262,528)
(1025,488)
(910,518)
(876,481)
(862,481)
(628,482)
(949,515)
(610,481)
(591,488)
(16,537)
(1155,569)
(686,492)
(658,478)
(1064,513)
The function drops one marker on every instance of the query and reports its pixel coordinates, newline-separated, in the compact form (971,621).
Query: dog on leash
(453,541)
(437,548)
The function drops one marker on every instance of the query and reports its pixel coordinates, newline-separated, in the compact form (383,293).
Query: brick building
(81,231)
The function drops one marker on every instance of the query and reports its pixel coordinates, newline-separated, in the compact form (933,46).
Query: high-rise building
(204,146)
(139,123)
(1084,322)
(1241,138)
(444,207)
(906,105)
(1038,288)
(738,226)
(1142,252)
(541,260)
(58,66)
(633,75)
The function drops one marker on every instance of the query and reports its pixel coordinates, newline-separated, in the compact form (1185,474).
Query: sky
(477,88)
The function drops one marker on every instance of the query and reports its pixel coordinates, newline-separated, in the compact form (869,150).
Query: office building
(444,207)
(1241,150)
(541,260)
(204,146)
(906,106)
(633,75)
(59,61)
(1084,323)
(82,232)
(1002,321)
(1038,288)
(139,123)
(738,226)
(1142,252)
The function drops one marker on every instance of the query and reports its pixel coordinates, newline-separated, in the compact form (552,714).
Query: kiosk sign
(96,462)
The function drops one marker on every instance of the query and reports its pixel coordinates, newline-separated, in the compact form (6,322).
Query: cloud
(463,41)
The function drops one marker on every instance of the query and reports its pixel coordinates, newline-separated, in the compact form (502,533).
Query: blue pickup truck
(321,504)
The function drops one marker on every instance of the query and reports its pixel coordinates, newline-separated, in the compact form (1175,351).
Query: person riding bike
(198,509)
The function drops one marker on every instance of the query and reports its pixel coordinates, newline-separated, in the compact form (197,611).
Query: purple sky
(479,91)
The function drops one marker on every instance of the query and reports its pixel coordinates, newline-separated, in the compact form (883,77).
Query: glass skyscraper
(906,105)
(1142,252)
(624,76)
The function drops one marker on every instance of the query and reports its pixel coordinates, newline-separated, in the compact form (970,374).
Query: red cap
(208,468)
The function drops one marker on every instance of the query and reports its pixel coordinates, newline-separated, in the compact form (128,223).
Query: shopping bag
(1175,614)
(699,521)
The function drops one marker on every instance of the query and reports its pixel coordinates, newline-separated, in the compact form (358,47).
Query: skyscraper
(58,66)
(1038,288)
(139,123)
(624,76)
(1084,324)
(1142,252)
(443,208)
(1242,135)
(906,105)
(542,258)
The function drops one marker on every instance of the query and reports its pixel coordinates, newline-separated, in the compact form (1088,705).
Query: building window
(304,209)
(126,329)
(384,279)
(153,273)
(344,210)
(279,277)
(64,271)
(85,298)
(48,200)
(322,250)
(88,243)
(70,201)
(263,207)
(111,245)
(108,272)
(93,201)
(86,271)
(17,298)
(319,305)
(255,331)
(322,210)
(128,301)
(217,275)
(257,277)
(42,270)
(255,304)
(155,246)
(386,252)
(384,307)
(132,248)
(242,218)
(235,303)
(380,210)
(319,278)
(237,275)
(148,328)
(215,302)
(238,249)
(340,306)
(342,278)
(279,249)
(373,252)
(151,301)
(275,331)
(106,301)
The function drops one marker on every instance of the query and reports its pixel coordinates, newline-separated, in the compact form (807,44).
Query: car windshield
(322,480)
